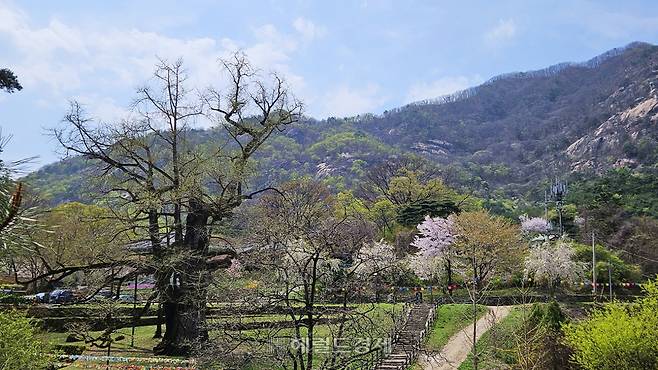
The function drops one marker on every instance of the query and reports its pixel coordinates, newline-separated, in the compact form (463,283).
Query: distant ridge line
(544,72)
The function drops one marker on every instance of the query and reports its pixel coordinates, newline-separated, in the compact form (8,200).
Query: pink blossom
(436,236)
(534,225)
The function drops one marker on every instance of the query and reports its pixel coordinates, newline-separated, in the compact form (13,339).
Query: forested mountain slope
(510,133)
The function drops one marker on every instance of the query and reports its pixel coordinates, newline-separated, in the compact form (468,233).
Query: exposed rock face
(612,143)
(572,116)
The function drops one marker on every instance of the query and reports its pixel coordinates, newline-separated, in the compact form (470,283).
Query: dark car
(61,296)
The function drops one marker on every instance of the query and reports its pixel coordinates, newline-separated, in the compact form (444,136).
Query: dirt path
(458,347)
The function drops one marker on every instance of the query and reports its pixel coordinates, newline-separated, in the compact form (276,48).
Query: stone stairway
(407,343)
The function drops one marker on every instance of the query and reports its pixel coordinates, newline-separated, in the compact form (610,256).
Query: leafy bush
(13,299)
(621,270)
(619,336)
(547,315)
(19,346)
(70,349)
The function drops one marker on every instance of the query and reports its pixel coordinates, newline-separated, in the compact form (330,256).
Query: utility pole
(545,205)
(132,336)
(610,279)
(593,266)
(559,190)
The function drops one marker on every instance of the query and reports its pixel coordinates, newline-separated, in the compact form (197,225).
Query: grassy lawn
(377,314)
(449,320)
(497,344)
(144,342)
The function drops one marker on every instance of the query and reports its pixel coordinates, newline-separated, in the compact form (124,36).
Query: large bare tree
(165,188)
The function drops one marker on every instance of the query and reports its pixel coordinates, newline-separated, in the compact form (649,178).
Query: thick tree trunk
(185,298)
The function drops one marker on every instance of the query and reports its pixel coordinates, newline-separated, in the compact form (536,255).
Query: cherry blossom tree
(552,263)
(534,225)
(434,247)
(374,258)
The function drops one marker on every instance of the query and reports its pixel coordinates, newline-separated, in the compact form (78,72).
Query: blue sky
(340,57)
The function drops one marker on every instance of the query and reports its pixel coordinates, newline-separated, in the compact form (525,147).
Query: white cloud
(308,29)
(442,86)
(344,100)
(62,60)
(504,31)
(104,108)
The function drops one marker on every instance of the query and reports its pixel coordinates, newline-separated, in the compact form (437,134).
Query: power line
(623,250)
(637,255)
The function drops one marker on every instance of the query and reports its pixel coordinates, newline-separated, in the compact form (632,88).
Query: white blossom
(425,268)
(374,257)
(435,236)
(553,262)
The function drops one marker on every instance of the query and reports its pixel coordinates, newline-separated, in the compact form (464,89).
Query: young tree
(152,175)
(485,245)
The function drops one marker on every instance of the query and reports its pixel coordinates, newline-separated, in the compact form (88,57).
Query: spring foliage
(19,346)
(618,336)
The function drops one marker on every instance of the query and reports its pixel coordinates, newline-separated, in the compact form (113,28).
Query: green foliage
(13,299)
(634,192)
(61,182)
(70,349)
(621,270)
(618,336)
(346,142)
(20,348)
(547,315)
(412,214)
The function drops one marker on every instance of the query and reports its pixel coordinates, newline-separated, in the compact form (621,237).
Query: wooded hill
(507,137)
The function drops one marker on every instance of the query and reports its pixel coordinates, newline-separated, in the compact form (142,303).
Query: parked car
(126,298)
(43,297)
(61,296)
(103,294)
